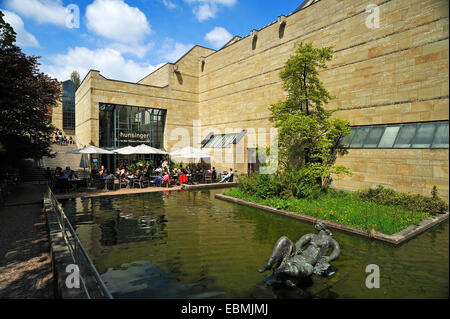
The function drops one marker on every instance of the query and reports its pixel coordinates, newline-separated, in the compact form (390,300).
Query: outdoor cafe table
(131,178)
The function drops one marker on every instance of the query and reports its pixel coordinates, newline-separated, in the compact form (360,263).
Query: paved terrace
(25,262)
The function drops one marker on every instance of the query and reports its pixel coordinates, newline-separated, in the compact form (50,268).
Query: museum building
(390,81)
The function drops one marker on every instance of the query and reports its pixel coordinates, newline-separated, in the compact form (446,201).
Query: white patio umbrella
(190,153)
(146,149)
(75,151)
(141,150)
(90,150)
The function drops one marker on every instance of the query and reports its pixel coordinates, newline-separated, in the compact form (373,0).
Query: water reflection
(190,245)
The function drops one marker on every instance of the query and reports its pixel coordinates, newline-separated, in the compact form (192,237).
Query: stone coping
(61,256)
(123,191)
(207,186)
(395,239)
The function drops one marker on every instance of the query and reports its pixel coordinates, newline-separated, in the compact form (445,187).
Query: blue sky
(128,39)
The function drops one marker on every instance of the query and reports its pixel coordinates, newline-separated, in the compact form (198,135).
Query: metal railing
(90,280)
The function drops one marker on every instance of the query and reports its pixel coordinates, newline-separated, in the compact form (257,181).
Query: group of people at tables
(61,179)
(162,175)
(61,174)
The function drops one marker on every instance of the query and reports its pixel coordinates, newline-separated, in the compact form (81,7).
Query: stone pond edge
(207,186)
(60,255)
(395,239)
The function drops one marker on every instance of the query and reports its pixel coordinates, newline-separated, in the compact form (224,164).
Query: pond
(190,245)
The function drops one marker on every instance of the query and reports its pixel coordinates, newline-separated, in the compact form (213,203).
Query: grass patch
(344,208)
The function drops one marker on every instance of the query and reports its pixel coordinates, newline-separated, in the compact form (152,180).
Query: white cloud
(206,9)
(171,50)
(23,37)
(42,11)
(136,49)
(116,20)
(108,61)
(217,37)
(169,4)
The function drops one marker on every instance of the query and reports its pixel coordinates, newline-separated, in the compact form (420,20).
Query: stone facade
(397,73)
(57,115)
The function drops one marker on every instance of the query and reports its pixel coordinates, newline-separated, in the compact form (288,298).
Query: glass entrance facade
(68,104)
(124,125)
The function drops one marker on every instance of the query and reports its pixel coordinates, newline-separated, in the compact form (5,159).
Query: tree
(7,33)
(75,78)
(25,98)
(308,134)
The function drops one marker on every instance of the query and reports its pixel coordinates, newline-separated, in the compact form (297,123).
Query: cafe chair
(141,181)
(208,178)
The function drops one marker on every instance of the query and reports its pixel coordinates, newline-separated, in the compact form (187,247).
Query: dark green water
(191,245)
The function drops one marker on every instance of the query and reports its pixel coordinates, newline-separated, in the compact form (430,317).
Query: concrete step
(62,159)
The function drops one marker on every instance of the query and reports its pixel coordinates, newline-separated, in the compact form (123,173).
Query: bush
(298,183)
(301,183)
(414,202)
(261,185)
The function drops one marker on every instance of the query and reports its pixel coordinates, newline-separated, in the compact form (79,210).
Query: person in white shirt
(227,176)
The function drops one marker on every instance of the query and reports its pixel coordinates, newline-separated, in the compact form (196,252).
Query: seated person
(57,171)
(182,178)
(157,181)
(124,178)
(166,178)
(138,174)
(130,175)
(67,171)
(63,176)
(73,175)
(109,176)
(227,176)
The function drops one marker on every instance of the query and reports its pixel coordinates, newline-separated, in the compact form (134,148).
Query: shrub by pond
(416,202)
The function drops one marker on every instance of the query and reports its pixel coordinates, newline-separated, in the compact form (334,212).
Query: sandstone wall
(397,73)
(159,77)
(57,115)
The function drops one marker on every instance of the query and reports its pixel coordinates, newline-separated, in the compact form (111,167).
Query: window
(405,136)
(373,137)
(123,125)
(441,136)
(345,141)
(410,135)
(68,105)
(223,140)
(388,138)
(359,137)
(424,136)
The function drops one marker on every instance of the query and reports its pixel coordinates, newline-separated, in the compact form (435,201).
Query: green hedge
(414,202)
